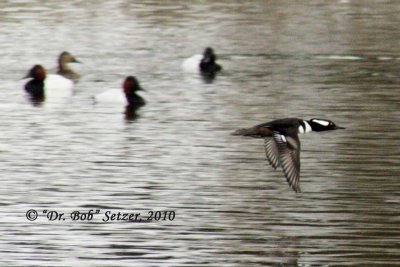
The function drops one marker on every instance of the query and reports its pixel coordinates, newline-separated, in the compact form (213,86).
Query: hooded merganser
(126,96)
(63,69)
(282,144)
(43,85)
(204,63)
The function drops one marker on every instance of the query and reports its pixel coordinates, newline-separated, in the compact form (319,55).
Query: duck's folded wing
(289,158)
(271,151)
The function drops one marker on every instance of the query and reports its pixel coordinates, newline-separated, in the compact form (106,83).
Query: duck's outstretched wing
(289,158)
(272,151)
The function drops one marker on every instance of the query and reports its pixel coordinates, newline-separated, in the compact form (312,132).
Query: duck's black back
(282,123)
(287,126)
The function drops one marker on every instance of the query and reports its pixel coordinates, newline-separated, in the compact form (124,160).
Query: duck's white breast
(111,96)
(192,64)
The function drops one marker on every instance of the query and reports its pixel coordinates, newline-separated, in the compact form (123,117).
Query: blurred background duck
(63,68)
(204,64)
(42,85)
(127,95)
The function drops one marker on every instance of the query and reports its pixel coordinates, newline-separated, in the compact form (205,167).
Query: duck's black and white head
(319,125)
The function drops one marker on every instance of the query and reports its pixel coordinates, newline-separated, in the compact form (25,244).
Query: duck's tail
(246,132)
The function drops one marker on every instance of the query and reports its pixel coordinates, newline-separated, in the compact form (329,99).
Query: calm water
(339,60)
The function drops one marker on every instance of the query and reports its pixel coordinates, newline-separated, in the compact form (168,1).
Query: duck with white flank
(125,96)
(43,85)
(205,63)
(282,144)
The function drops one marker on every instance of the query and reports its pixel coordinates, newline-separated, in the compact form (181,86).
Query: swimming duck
(43,85)
(126,96)
(63,69)
(205,63)
(282,144)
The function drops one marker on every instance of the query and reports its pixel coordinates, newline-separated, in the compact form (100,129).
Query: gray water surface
(333,59)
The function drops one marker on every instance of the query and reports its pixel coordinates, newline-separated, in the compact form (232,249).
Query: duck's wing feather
(289,158)
(272,151)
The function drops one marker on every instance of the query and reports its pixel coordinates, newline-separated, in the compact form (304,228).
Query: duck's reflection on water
(131,112)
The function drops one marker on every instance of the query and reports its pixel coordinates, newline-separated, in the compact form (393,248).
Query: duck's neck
(63,67)
(65,71)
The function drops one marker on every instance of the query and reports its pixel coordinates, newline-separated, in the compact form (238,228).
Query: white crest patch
(322,122)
